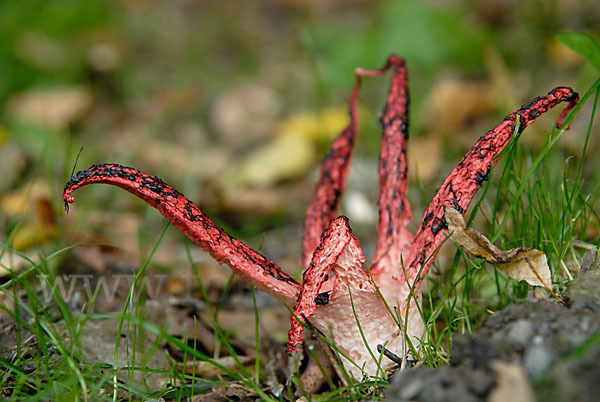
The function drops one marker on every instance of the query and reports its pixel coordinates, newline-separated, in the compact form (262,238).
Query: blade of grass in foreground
(128,302)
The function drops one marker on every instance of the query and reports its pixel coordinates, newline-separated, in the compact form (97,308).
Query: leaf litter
(522,264)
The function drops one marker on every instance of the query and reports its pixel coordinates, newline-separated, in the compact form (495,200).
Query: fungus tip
(572,103)
(292,349)
(68,200)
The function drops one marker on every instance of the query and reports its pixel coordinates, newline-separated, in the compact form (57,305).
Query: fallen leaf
(246,114)
(30,206)
(291,153)
(55,108)
(321,127)
(469,99)
(19,202)
(522,264)
(31,235)
(283,158)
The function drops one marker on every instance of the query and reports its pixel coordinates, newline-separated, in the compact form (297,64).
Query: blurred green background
(235,102)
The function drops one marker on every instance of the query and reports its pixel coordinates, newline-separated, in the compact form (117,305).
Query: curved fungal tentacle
(335,238)
(323,206)
(189,219)
(471,172)
(394,210)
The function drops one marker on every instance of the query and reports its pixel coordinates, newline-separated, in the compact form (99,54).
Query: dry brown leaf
(31,203)
(55,108)
(19,202)
(30,235)
(469,100)
(522,264)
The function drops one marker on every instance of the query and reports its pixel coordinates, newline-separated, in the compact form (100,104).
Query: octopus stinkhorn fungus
(347,303)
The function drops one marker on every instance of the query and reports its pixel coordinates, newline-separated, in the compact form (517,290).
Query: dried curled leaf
(522,264)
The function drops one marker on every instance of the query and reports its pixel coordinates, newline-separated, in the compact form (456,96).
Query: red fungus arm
(326,258)
(322,208)
(394,209)
(187,217)
(472,171)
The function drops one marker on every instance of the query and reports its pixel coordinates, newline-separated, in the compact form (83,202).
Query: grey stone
(589,262)
(521,332)
(537,360)
(412,388)
(584,292)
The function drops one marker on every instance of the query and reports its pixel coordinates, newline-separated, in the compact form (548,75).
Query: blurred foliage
(188,90)
(583,44)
